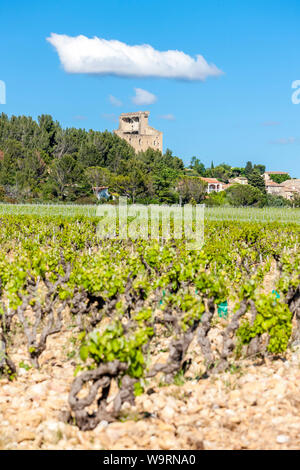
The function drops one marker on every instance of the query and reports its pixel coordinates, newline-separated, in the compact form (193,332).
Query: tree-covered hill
(42,161)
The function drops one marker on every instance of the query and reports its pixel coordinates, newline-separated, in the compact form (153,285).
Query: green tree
(248,169)
(66,177)
(2,193)
(191,188)
(13,158)
(257,181)
(237,171)
(279,178)
(277,201)
(245,195)
(169,160)
(30,173)
(133,185)
(260,168)
(164,183)
(221,172)
(99,176)
(197,166)
(48,130)
(216,199)
(296,200)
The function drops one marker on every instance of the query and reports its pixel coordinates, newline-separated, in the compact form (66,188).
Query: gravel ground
(252,407)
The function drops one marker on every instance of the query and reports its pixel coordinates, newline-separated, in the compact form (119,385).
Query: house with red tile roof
(213,185)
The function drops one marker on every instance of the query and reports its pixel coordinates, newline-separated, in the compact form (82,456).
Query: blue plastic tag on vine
(276,293)
(223,309)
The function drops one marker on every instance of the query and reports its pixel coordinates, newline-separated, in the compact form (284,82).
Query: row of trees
(224,172)
(41,161)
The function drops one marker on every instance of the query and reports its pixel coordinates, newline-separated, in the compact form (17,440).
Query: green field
(272,214)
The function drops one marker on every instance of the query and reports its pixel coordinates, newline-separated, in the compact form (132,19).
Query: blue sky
(244,114)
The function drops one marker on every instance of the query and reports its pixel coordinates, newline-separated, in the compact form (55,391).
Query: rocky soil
(255,406)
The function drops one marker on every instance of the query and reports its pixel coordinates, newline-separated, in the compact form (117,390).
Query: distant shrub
(280,178)
(217,199)
(2,193)
(245,195)
(87,200)
(277,201)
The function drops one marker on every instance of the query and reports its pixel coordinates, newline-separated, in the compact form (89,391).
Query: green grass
(253,214)
(70,210)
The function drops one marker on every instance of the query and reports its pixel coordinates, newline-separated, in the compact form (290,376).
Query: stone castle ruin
(134,128)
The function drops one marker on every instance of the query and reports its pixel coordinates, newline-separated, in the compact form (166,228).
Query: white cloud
(81,54)
(114,101)
(270,123)
(284,141)
(143,97)
(168,117)
(79,117)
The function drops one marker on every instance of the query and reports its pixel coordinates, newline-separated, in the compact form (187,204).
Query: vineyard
(133,320)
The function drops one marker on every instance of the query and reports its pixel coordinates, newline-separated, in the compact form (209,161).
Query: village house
(287,189)
(238,180)
(101,192)
(291,188)
(213,185)
(274,188)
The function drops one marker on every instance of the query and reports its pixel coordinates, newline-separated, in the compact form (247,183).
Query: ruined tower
(134,128)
